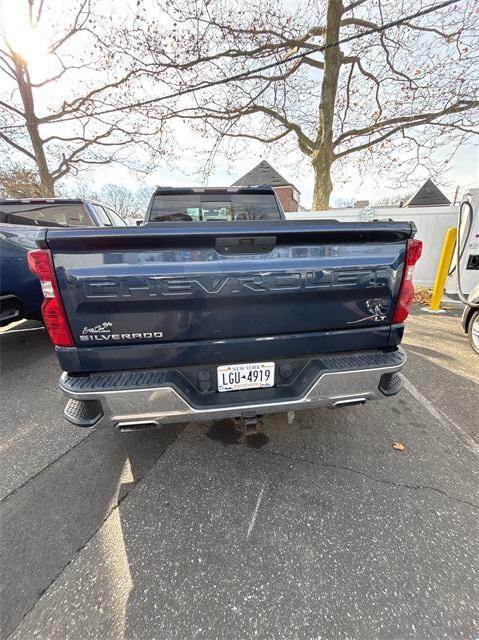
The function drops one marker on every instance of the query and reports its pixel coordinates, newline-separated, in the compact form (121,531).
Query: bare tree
(125,201)
(78,187)
(393,201)
(52,117)
(344,203)
(389,98)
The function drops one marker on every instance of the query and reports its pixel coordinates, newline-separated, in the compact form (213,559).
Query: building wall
(288,197)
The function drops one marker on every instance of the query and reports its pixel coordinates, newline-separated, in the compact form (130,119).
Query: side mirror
(139,223)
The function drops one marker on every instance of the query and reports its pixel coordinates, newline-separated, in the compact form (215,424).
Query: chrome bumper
(163,404)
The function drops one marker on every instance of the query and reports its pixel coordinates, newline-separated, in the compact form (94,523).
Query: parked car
(20,223)
(470,319)
(204,319)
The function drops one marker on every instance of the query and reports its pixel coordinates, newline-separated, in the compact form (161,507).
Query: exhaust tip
(137,425)
(349,402)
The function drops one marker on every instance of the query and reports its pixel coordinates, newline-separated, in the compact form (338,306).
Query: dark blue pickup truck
(219,307)
(20,221)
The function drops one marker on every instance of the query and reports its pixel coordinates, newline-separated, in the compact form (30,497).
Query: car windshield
(204,207)
(45,215)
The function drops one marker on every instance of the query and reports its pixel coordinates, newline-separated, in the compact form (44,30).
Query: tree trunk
(323,156)
(23,78)
(323,184)
(46,181)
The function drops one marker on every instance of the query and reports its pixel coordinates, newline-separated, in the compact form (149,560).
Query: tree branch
(409,120)
(11,108)
(16,146)
(353,5)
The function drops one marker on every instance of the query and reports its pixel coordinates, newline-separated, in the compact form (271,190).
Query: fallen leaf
(399,446)
(422,295)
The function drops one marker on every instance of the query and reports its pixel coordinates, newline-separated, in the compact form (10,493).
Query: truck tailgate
(178,286)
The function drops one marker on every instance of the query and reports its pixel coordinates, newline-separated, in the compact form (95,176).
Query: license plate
(255,375)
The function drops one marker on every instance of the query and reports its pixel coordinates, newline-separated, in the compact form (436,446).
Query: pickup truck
(20,221)
(219,307)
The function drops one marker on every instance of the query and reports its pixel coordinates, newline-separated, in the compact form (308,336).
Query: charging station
(468,236)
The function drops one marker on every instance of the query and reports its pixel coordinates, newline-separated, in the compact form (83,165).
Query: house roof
(427,196)
(264,173)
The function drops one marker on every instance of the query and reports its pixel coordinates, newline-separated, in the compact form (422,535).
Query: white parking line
(255,512)
(10,331)
(15,327)
(442,418)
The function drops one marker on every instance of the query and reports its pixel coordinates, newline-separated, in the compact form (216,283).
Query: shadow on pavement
(282,543)
(76,479)
(457,395)
(325,531)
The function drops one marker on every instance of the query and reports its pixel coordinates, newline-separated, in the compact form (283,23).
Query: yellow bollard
(442,268)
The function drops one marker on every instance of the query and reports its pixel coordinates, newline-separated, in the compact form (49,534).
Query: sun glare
(15,27)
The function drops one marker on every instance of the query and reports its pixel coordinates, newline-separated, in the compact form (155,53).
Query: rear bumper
(125,399)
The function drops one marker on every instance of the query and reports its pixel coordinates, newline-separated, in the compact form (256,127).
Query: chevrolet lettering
(218,285)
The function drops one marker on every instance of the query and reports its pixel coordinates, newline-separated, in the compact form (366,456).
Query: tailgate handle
(245,245)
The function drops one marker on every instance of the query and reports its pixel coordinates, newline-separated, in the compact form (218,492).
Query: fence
(431,223)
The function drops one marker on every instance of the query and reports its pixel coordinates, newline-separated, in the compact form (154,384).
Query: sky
(463,173)
(191,148)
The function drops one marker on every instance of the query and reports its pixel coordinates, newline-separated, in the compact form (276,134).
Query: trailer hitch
(249,425)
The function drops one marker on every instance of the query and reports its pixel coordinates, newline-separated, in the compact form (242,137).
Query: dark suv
(20,221)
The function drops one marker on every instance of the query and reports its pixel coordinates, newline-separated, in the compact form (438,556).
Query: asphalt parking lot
(318,530)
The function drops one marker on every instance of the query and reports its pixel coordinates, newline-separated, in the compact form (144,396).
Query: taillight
(406,292)
(40,264)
